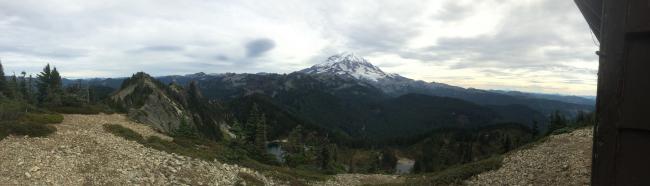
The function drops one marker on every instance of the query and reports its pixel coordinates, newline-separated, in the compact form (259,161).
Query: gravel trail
(563,159)
(362,179)
(82,153)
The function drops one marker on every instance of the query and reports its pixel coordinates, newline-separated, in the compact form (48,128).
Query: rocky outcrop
(167,107)
(147,101)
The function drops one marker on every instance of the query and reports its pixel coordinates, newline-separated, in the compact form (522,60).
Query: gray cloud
(222,57)
(258,47)
(158,48)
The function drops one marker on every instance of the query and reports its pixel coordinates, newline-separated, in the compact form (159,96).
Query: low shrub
(28,129)
(11,110)
(156,142)
(41,118)
(3,134)
(124,132)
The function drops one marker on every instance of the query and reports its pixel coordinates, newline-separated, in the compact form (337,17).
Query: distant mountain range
(582,100)
(349,95)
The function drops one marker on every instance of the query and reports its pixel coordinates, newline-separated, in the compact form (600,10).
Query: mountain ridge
(348,65)
(332,96)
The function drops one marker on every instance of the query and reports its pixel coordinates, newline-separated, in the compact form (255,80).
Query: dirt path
(563,159)
(82,153)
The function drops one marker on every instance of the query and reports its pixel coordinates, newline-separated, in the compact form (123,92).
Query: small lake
(276,150)
(404,166)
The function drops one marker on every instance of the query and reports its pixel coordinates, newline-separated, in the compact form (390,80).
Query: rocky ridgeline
(82,153)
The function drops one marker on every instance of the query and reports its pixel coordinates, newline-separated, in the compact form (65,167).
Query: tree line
(45,89)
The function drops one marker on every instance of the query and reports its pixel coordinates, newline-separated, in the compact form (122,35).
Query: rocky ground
(82,153)
(362,179)
(563,159)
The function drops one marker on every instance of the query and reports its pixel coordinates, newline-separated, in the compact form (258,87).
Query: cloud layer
(529,45)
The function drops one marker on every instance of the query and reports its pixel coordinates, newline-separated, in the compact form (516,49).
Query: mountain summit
(350,65)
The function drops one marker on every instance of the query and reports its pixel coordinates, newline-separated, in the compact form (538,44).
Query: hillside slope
(167,107)
(563,159)
(82,153)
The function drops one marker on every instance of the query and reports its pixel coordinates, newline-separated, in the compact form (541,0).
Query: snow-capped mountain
(348,65)
(351,66)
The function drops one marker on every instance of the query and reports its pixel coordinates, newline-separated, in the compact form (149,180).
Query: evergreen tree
(30,90)
(417,166)
(297,153)
(296,144)
(185,130)
(238,130)
(388,159)
(558,121)
(583,119)
(467,154)
(249,128)
(325,156)
(22,86)
(311,139)
(507,144)
(13,88)
(260,134)
(328,155)
(49,87)
(57,86)
(3,81)
(375,163)
(535,128)
(44,80)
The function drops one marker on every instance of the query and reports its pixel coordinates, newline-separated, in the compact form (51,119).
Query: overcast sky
(527,45)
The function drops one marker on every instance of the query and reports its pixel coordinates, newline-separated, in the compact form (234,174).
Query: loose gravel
(82,153)
(362,179)
(563,159)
